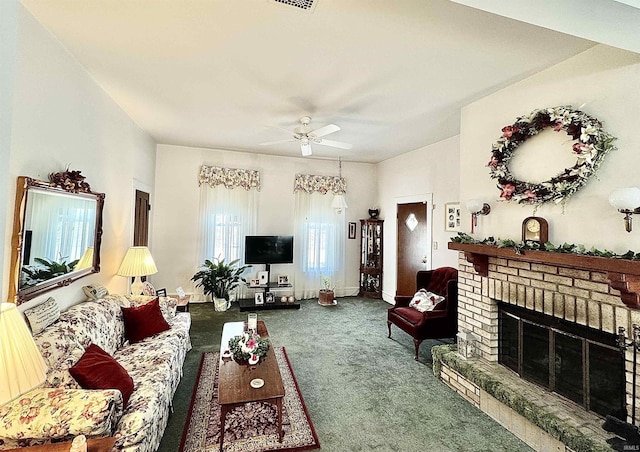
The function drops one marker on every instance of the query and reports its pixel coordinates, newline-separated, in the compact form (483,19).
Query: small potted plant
(326,296)
(218,279)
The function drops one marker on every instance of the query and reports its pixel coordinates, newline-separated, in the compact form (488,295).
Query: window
(317,240)
(319,249)
(228,215)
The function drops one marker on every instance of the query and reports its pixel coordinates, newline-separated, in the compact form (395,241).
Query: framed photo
(263,277)
(270,298)
(352,230)
(258,298)
(254,282)
(283,280)
(452,217)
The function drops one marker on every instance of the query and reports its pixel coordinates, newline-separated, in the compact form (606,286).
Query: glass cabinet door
(371,258)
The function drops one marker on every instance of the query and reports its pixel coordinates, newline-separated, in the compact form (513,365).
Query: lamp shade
(339,202)
(137,262)
(625,198)
(86,260)
(475,205)
(21,365)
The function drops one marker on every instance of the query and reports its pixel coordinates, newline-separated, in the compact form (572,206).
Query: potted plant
(218,279)
(326,296)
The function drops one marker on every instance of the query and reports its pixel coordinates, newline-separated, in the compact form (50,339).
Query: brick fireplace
(586,291)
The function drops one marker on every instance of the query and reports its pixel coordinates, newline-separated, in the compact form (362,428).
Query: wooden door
(412,245)
(141,221)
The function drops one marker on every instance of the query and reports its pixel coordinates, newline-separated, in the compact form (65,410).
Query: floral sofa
(60,409)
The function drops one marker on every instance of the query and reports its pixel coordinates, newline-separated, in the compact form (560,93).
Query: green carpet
(364,392)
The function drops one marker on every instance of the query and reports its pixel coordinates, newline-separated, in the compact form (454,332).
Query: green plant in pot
(326,295)
(218,279)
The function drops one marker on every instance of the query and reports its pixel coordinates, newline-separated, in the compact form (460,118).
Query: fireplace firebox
(582,364)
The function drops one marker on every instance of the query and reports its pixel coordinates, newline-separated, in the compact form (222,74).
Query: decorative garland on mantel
(567,248)
(592,145)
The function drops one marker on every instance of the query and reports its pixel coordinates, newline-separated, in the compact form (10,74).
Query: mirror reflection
(56,238)
(59,229)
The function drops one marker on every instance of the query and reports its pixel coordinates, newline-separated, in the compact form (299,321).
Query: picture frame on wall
(452,222)
(258,298)
(352,230)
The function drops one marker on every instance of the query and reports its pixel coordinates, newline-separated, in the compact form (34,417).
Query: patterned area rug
(251,427)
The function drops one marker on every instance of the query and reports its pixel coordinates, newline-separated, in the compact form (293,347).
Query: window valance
(322,184)
(229,177)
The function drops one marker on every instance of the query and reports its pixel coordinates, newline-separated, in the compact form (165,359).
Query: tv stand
(249,304)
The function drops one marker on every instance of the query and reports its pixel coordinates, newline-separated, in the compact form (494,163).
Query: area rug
(251,427)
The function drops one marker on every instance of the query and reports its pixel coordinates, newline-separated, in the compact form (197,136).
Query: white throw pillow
(43,315)
(424,300)
(95,291)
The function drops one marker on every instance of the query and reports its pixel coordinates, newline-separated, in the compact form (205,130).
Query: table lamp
(21,365)
(86,261)
(137,262)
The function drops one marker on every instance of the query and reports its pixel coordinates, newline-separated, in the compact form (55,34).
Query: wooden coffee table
(234,384)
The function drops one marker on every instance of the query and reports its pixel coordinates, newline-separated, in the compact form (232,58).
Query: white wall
(607,80)
(61,117)
(8,42)
(431,172)
(176,204)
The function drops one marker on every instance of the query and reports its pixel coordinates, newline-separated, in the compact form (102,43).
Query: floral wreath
(593,143)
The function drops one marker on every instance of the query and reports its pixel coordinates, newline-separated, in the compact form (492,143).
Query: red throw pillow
(98,370)
(144,321)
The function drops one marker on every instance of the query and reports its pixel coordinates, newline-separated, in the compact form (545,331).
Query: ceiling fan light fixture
(305,147)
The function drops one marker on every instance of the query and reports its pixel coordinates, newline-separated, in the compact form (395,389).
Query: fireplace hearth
(557,333)
(583,364)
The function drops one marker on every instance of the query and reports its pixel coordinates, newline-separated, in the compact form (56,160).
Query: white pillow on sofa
(95,291)
(43,315)
(423,300)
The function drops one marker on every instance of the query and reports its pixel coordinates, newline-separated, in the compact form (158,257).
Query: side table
(183,303)
(93,445)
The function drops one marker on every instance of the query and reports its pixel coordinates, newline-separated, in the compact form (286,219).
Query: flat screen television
(268,249)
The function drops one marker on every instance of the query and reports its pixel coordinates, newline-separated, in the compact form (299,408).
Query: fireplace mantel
(623,274)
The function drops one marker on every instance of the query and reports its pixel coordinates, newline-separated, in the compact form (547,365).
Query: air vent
(304,5)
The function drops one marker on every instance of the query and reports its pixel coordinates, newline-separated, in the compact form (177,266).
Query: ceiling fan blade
(322,131)
(335,144)
(305,148)
(276,142)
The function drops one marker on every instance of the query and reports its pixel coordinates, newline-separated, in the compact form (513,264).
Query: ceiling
(392,75)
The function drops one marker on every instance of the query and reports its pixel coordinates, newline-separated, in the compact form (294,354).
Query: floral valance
(229,177)
(322,184)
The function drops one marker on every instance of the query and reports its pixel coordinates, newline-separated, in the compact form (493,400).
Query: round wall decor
(591,146)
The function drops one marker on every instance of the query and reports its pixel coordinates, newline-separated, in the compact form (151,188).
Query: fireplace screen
(582,364)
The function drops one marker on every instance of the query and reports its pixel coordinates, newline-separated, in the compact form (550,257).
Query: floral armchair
(441,321)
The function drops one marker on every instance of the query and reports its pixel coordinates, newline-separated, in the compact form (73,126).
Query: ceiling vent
(302,5)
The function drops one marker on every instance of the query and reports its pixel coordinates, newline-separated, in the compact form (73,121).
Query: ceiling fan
(305,135)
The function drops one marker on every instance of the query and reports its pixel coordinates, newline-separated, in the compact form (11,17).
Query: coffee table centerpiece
(248,347)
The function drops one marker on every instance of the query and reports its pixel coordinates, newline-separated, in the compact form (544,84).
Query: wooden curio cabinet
(371,258)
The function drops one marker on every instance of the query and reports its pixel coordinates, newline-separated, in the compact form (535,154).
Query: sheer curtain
(63,228)
(319,244)
(227,216)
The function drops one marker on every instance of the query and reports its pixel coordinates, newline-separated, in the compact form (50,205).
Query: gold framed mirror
(56,238)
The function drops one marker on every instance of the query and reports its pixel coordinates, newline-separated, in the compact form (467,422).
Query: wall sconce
(477,207)
(627,201)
